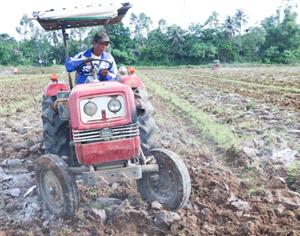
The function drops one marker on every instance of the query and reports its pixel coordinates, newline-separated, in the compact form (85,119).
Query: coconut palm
(212,21)
(230,27)
(176,39)
(240,18)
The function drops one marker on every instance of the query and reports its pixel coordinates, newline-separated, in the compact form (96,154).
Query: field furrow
(278,95)
(238,140)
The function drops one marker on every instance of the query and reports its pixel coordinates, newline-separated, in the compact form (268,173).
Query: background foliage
(275,40)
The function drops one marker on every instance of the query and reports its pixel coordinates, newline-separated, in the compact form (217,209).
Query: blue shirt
(84,74)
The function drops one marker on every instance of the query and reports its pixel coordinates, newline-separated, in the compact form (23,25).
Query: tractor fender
(53,88)
(132,81)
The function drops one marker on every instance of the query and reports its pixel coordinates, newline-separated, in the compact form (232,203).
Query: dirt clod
(164,219)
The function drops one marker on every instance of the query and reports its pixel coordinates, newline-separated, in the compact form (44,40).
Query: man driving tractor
(101,130)
(83,75)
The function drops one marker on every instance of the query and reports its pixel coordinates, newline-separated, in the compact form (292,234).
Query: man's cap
(101,38)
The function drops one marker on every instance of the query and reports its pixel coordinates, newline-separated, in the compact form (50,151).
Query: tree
(176,40)
(252,41)
(35,45)
(201,43)
(79,34)
(282,44)
(140,27)
(196,30)
(162,26)
(28,30)
(212,21)
(9,53)
(240,19)
(276,40)
(121,43)
(157,49)
(230,27)
(55,39)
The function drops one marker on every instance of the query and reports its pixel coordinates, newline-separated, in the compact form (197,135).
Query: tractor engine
(103,123)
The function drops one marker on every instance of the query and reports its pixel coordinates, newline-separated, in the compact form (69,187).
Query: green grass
(219,134)
(297,147)
(218,110)
(245,125)
(293,172)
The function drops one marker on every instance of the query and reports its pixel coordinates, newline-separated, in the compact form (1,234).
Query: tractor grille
(106,134)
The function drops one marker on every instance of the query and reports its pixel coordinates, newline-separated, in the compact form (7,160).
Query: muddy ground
(248,189)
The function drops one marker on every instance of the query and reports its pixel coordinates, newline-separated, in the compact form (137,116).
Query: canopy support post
(66,38)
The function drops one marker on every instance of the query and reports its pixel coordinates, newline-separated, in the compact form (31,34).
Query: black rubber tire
(62,184)
(171,186)
(56,131)
(147,126)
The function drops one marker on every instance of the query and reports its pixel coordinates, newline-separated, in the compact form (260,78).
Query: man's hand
(104,72)
(87,62)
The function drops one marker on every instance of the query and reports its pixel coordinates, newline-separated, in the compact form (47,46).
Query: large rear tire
(147,126)
(171,186)
(56,187)
(56,131)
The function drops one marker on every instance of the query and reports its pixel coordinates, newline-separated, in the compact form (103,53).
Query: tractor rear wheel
(56,131)
(56,187)
(147,126)
(171,186)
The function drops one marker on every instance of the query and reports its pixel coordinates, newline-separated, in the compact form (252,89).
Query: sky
(180,12)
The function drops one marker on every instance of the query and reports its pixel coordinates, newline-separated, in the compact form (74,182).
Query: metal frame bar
(66,45)
(130,172)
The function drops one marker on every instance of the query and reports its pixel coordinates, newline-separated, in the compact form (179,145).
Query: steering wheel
(92,70)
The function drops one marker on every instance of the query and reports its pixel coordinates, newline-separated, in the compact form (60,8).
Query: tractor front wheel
(56,187)
(171,186)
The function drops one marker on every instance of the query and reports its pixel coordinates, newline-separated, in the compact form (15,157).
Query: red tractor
(102,130)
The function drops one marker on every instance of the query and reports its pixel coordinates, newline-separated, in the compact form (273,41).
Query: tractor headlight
(114,105)
(90,108)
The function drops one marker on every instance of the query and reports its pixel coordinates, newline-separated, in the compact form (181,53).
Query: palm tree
(176,37)
(162,25)
(240,18)
(229,27)
(26,28)
(212,21)
(141,25)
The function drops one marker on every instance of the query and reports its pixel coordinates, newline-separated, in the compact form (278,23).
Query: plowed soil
(249,188)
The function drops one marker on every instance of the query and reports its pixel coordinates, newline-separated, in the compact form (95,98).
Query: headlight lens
(90,108)
(114,105)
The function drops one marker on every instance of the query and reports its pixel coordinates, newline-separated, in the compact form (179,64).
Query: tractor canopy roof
(91,15)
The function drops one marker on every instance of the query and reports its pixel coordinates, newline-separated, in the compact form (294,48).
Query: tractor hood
(92,15)
(100,93)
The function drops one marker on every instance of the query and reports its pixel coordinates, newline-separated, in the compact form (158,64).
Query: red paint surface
(133,81)
(98,89)
(54,88)
(110,151)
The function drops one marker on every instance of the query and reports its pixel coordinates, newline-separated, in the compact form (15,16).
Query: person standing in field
(98,51)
